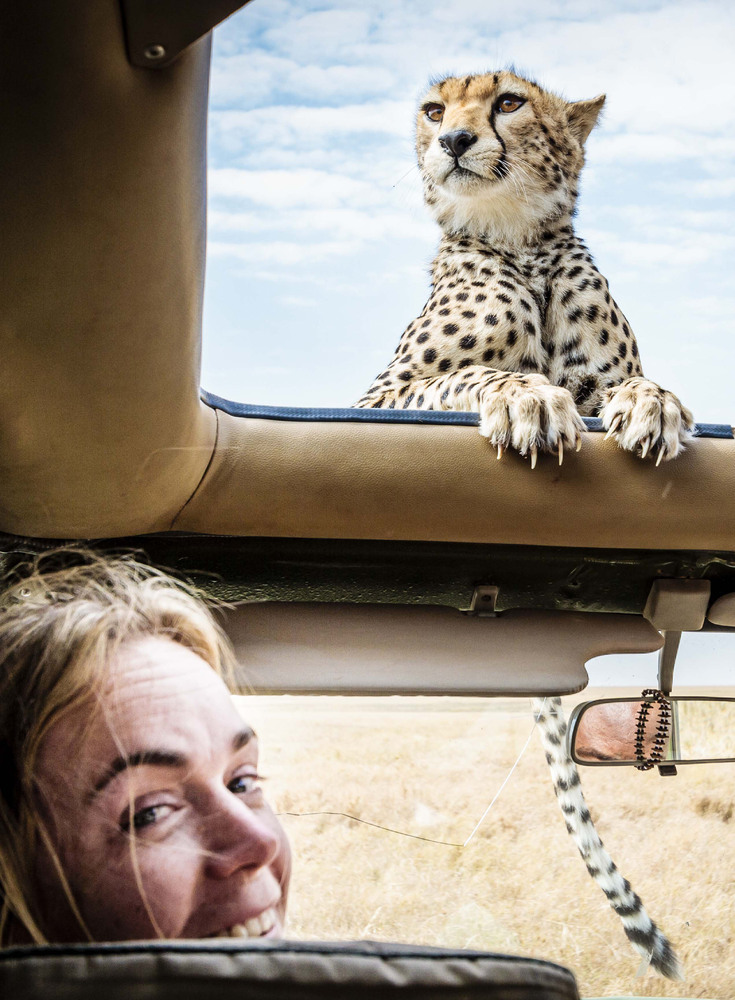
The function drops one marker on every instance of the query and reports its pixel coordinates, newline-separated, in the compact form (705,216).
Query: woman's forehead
(158,692)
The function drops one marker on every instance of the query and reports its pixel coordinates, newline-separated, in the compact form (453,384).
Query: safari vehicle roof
(105,434)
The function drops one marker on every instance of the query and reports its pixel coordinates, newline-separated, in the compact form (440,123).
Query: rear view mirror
(652,730)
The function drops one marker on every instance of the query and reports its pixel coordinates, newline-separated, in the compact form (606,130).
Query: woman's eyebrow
(156,758)
(159,758)
(243,737)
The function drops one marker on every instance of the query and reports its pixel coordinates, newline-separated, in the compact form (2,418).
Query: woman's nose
(240,839)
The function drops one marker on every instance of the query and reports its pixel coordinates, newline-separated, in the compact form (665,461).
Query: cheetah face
(499,154)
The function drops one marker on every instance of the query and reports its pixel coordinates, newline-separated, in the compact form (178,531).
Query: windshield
(434,821)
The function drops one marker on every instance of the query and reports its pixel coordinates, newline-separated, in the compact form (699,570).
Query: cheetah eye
(509,103)
(434,112)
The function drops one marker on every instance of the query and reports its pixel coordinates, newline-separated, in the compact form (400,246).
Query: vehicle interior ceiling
(330,530)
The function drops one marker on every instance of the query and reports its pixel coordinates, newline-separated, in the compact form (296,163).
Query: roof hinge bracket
(483,602)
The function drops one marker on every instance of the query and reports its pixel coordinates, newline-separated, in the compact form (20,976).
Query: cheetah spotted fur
(520,324)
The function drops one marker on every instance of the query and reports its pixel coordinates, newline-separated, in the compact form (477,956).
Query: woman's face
(154,806)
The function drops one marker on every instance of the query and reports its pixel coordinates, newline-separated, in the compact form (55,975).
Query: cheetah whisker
(510,175)
(404,176)
(510,172)
(519,185)
(523,174)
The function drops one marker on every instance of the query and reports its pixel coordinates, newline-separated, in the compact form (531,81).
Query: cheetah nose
(458,142)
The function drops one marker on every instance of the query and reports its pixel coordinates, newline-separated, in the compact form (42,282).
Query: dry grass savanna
(429,767)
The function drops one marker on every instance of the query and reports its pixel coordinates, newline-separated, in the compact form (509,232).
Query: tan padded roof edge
(414,481)
(102,184)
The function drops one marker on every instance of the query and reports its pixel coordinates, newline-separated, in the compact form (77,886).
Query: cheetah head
(499,155)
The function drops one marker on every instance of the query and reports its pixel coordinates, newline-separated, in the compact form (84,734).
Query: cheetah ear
(583,115)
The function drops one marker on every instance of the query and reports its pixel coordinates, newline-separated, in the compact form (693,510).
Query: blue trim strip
(394,416)
(713,431)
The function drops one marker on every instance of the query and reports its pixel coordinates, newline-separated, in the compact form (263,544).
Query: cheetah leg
(523,412)
(646,419)
(640,929)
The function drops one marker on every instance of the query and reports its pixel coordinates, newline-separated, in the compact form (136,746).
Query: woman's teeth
(252,928)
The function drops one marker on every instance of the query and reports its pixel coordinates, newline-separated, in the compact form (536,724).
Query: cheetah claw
(500,451)
(534,455)
(561,451)
(646,419)
(617,421)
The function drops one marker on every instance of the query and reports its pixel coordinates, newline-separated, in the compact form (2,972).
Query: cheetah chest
(484,310)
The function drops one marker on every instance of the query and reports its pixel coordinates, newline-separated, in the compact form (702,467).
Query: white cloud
(325,34)
(343,223)
(718,311)
(665,220)
(305,125)
(711,188)
(283,253)
(655,147)
(299,301)
(250,76)
(682,251)
(289,188)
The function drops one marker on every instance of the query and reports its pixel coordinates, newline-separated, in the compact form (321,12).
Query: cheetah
(520,325)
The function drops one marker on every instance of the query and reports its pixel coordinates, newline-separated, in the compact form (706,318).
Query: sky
(319,244)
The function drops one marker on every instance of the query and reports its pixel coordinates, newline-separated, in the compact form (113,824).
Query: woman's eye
(434,112)
(145,817)
(509,103)
(244,783)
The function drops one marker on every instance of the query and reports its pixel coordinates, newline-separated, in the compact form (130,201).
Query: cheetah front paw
(646,419)
(529,414)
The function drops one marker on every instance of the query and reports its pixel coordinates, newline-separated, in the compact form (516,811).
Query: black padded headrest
(278,970)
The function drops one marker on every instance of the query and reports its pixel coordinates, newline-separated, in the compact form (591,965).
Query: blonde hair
(61,621)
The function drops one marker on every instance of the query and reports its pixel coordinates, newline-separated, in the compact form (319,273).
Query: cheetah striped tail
(652,944)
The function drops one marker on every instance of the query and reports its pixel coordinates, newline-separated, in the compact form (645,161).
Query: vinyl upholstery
(276,971)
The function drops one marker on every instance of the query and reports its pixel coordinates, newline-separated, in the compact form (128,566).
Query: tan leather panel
(408,481)
(102,186)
